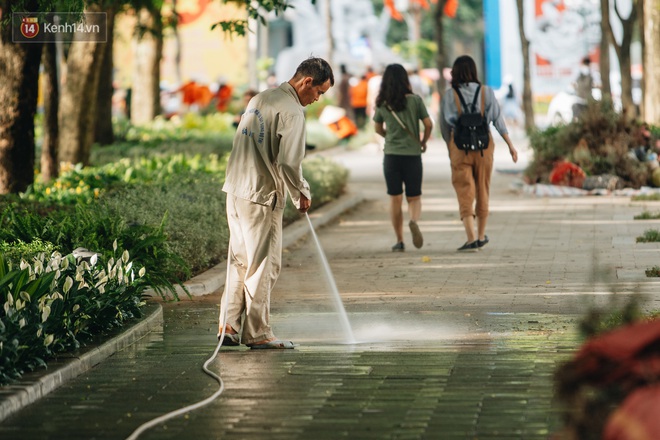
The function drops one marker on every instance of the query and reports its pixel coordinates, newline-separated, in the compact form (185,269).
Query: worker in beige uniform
(265,163)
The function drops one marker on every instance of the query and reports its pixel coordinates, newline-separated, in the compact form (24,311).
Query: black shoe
(230,340)
(469,247)
(399,247)
(482,243)
(418,239)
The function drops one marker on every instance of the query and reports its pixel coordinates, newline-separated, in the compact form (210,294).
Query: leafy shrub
(327,181)
(19,250)
(178,129)
(196,226)
(83,185)
(93,227)
(54,304)
(599,142)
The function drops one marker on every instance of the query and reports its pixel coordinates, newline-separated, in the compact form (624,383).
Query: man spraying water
(265,163)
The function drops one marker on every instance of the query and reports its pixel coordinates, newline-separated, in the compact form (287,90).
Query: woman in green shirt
(397,115)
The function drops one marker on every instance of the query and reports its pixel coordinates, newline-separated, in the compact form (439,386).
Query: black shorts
(403,170)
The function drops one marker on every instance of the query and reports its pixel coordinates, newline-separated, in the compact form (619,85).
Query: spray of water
(339,305)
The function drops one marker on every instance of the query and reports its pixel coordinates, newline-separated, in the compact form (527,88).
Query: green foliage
(53,304)
(653,197)
(84,185)
(650,236)
(653,272)
(599,142)
(256,10)
(13,253)
(95,227)
(327,181)
(194,203)
(611,317)
(647,216)
(423,51)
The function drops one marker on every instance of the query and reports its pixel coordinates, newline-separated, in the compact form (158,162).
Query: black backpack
(471,132)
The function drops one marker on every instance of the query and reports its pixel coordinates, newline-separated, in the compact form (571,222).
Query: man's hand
(305,203)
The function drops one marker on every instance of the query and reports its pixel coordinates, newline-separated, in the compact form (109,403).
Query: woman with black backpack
(466,112)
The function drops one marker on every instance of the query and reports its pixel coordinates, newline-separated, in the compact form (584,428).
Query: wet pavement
(449,345)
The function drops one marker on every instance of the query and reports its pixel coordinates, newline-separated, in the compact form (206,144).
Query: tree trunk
(78,103)
(19,77)
(652,61)
(103,133)
(528,106)
(623,53)
(604,64)
(51,94)
(440,56)
(145,97)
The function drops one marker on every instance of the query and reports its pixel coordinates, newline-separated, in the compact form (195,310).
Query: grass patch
(653,272)
(650,236)
(646,215)
(646,197)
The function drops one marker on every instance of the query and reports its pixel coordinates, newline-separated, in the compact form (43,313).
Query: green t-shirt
(397,139)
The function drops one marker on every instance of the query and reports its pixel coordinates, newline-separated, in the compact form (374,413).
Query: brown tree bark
(527,104)
(145,97)
(19,76)
(604,63)
(51,94)
(623,53)
(652,61)
(78,101)
(103,133)
(440,56)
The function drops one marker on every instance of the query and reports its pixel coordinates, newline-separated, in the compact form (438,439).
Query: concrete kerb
(16,396)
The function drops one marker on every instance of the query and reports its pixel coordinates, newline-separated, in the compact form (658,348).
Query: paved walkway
(449,345)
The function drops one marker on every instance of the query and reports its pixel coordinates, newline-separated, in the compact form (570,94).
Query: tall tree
(604,63)
(528,107)
(440,56)
(51,94)
(145,93)
(78,101)
(19,75)
(652,61)
(103,133)
(623,53)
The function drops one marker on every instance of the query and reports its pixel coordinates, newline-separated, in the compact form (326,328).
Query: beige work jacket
(268,150)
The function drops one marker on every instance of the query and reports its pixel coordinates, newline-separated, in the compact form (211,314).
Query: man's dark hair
(316,68)
(394,87)
(464,71)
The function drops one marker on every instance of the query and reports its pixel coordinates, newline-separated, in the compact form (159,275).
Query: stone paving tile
(461,388)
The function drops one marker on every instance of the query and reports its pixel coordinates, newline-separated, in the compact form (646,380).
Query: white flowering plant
(55,303)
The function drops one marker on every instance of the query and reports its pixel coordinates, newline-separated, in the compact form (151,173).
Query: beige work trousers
(255,260)
(470,176)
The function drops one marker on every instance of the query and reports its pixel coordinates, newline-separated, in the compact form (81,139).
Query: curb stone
(24,392)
